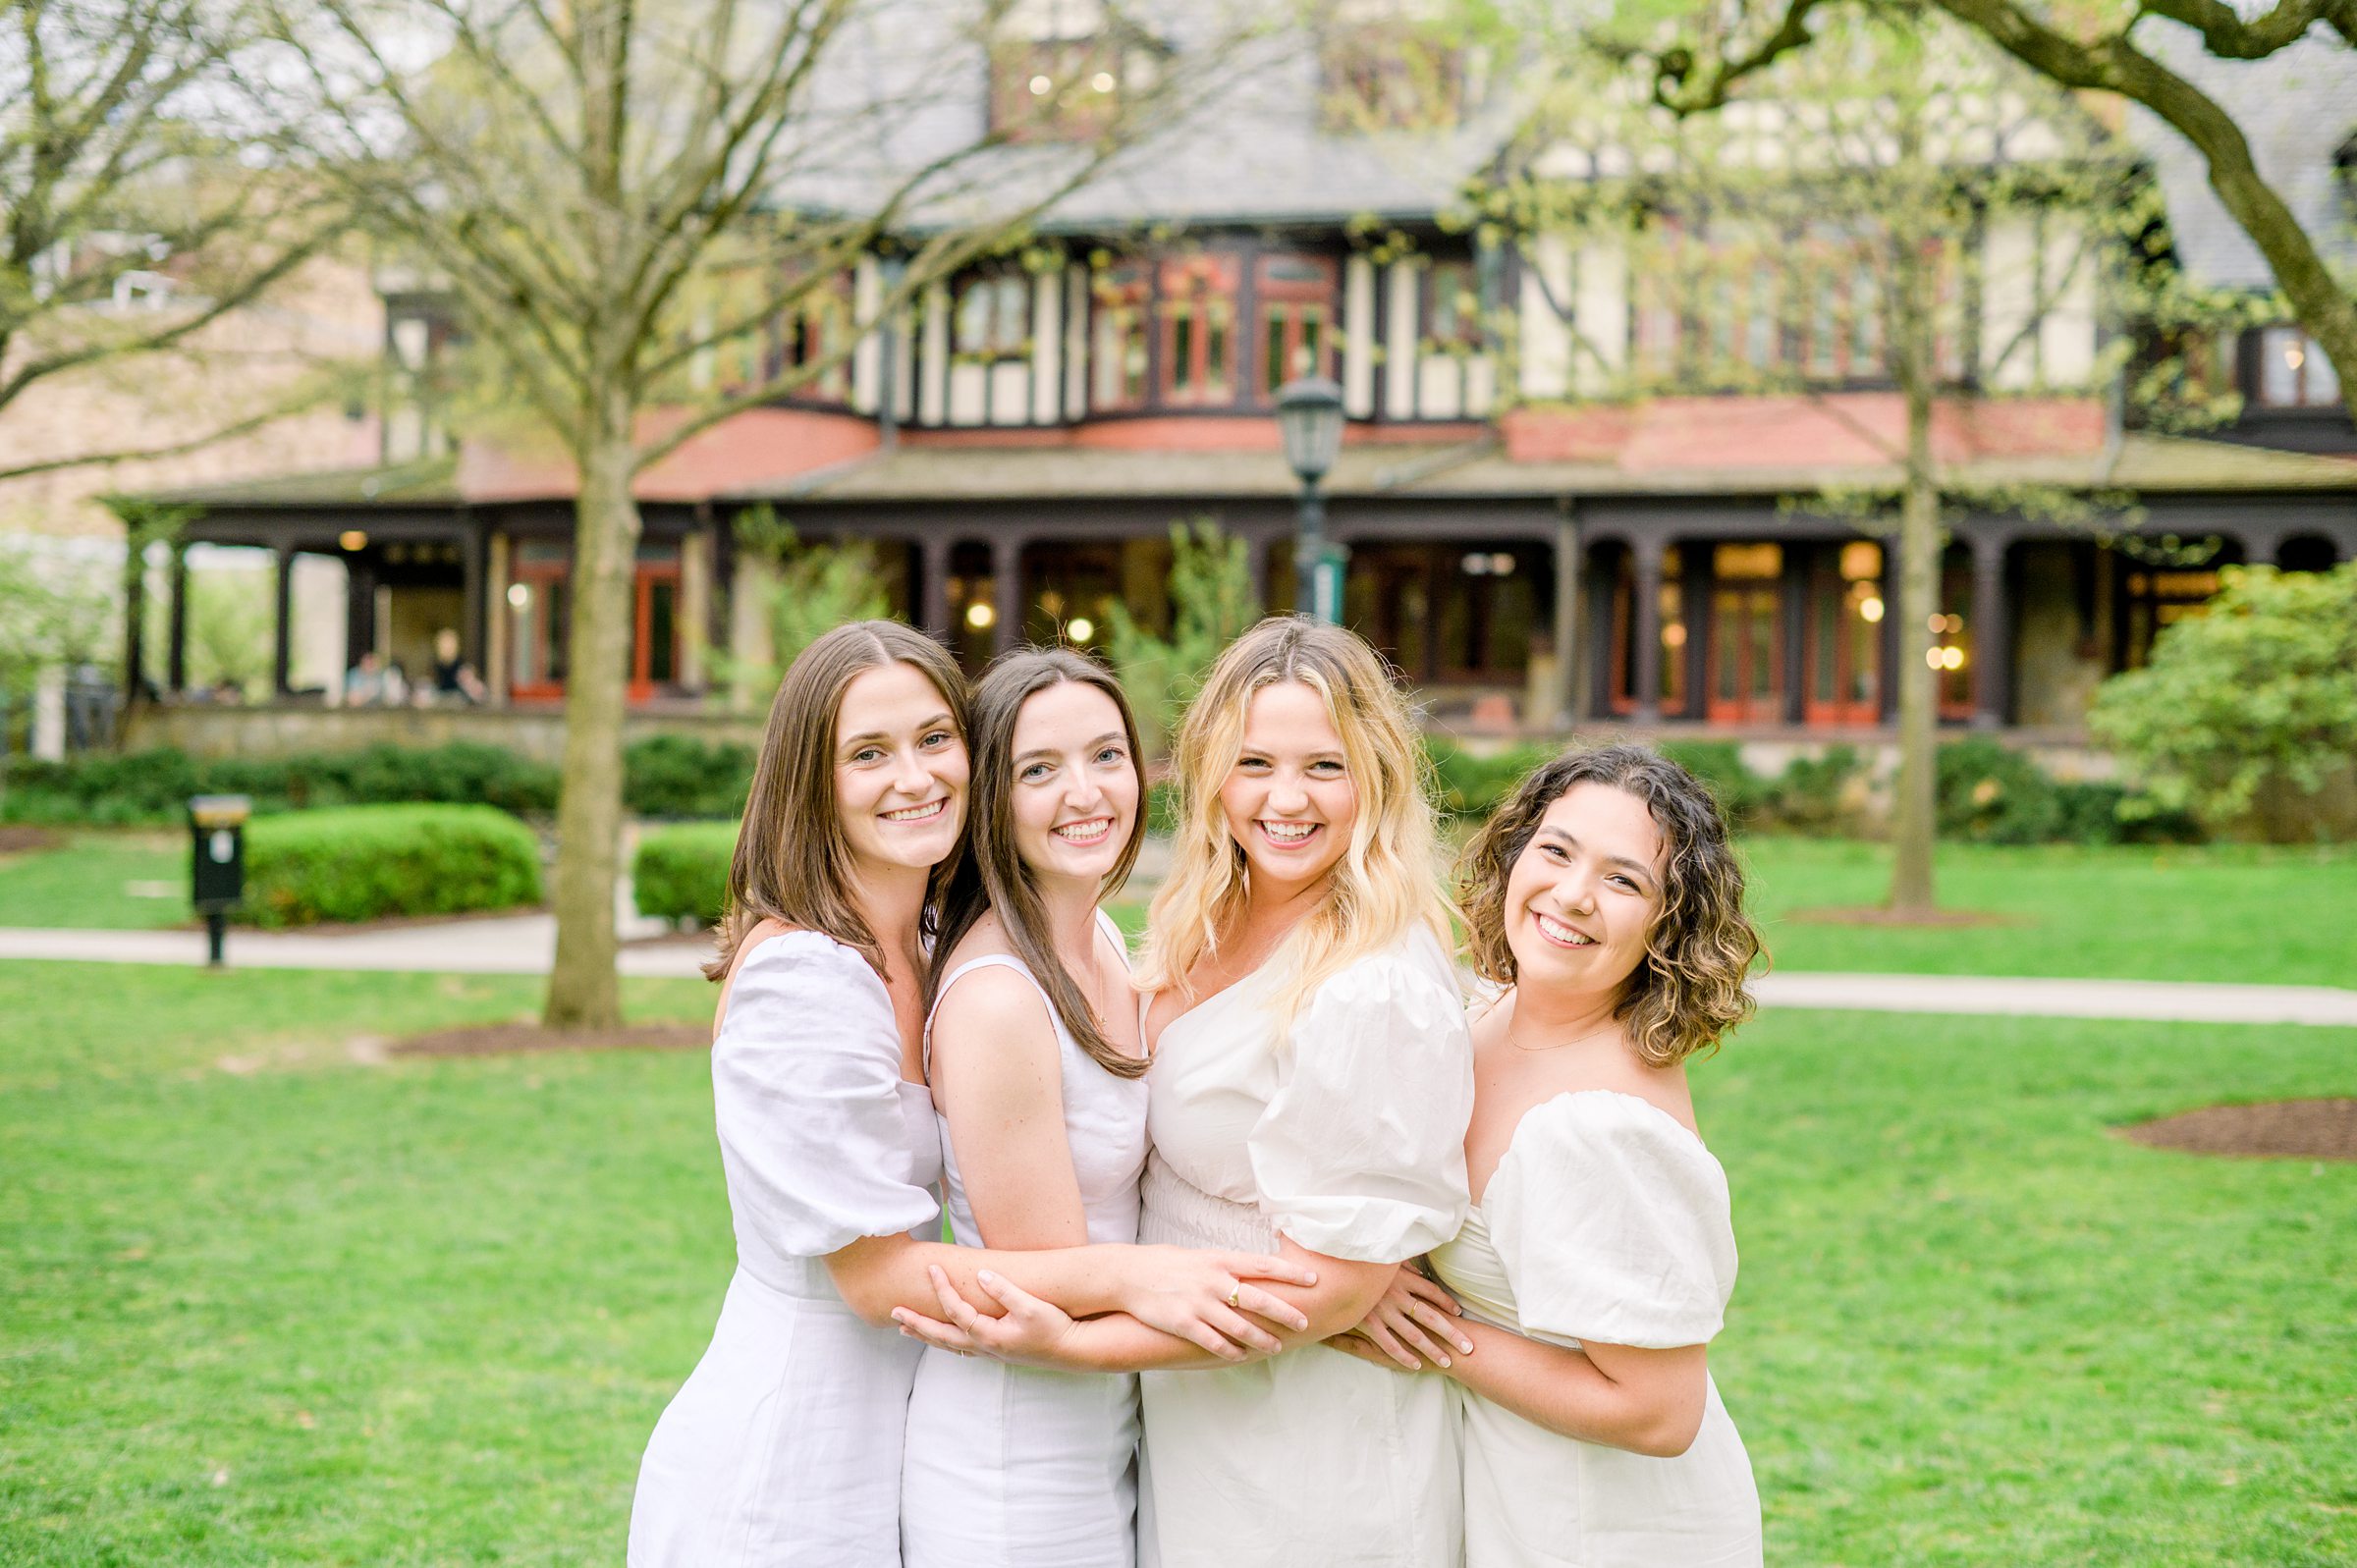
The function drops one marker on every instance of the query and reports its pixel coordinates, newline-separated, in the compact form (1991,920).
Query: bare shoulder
(995,1007)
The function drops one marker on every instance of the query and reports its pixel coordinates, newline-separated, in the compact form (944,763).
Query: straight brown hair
(993,874)
(793,863)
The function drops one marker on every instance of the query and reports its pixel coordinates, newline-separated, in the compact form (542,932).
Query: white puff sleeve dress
(1346,1133)
(783,1447)
(1606,1219)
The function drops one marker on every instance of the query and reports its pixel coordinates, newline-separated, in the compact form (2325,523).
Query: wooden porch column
(475,552)
(1992,634)
(1648,616)
(1887,687)
(1006,583)
(1571,664)
(134,620)
(282,642)
(176,657)
(1795,653)
(933,568)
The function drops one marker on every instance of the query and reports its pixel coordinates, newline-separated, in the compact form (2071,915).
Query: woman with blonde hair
(1310,1085)
(785,1446)
(1596,1264)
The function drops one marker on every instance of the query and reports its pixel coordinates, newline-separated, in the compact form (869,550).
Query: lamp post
(1310,422)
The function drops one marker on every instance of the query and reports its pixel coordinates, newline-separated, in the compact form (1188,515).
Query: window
(1387,73)
(1060,88)
(992,317)
(816,330)
(1296,296)
(1199,330)
(2293,373)
(1453,306)
(1121,300)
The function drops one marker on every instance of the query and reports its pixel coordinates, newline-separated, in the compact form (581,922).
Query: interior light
(1674,635)
(979,615)
(1870,610)
(1101,81)
(1040,87)
(2295,357)
(1502,565)
(1936,658)
(1954,658)
(519,595)
(1475,564)
(1080,628)
(353,539)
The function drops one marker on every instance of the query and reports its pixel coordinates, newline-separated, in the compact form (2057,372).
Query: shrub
(1990,793)
(2252,705)
(678,776)
(369,863)
(155,786)
(1470,786)
(682,872)
(1742,795)
(1211,603)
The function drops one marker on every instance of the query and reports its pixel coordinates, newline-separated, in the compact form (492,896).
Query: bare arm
(1646,1401)
(1035,1333)
(998,1079)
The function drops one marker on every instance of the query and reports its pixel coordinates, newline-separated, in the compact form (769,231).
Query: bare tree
(611,191)
(1838,200)
(131,220)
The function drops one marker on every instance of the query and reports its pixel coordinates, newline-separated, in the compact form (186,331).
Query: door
(1747,634)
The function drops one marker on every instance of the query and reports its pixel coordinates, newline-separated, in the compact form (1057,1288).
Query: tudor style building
(1545,525)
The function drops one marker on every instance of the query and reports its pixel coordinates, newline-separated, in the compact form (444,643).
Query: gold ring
(1233,1294)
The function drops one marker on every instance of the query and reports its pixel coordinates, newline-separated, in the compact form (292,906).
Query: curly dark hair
(1690,991)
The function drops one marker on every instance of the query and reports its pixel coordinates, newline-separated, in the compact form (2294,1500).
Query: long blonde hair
(1387,880)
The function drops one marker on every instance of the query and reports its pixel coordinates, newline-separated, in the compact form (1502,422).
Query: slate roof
(2299,109)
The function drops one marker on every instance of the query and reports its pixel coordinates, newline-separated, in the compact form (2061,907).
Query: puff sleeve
(814,1136)
(1612,1222)
(1361,1151)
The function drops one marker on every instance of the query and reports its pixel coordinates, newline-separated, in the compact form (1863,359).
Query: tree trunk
(1913,817)
(583,993)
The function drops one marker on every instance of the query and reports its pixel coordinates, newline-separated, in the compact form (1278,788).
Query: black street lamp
(1309,419)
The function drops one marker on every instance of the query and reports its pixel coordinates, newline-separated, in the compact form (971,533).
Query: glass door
(1844,646)
(1747,634)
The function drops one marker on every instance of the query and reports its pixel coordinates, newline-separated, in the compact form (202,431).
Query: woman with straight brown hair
(783,1447)
(1038,1080)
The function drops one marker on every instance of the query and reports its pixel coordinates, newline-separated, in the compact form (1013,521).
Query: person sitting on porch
(455,680)
(364,682)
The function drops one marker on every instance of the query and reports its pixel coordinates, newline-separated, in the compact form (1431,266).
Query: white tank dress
(1606,1219)
(783,1447)
(1019,1466)
(1346,1134)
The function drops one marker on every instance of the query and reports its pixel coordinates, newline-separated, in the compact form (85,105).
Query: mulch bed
(22,841)
(2283,1129)
(519,1039)
(1876,915)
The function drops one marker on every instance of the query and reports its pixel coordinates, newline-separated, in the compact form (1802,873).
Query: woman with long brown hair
(783,1447)
(1038,1080)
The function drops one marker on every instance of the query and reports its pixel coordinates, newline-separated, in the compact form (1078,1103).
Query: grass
(263,1303)
(2217,912)
(87,882)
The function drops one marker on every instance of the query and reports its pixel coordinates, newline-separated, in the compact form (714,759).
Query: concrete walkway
(524,945)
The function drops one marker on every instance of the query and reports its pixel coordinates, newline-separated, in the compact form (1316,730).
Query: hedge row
(663,775)
(371,862)
(1988,793)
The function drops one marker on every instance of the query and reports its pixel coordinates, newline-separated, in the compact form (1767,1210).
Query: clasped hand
(1206,1298)
(1412,1327)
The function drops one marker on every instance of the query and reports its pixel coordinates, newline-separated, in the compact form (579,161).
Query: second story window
(2293,373)
(816,332)
(1297,319)
(1452,308)
(1383,66)
(1121,302)
(1199,331)
(992,319)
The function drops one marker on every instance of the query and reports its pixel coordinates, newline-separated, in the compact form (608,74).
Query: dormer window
(992,319)
(2293,373)
(1390,65)
(1297,319)
(1058,71)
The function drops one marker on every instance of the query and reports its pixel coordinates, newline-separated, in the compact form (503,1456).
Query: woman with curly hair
(1596,1263)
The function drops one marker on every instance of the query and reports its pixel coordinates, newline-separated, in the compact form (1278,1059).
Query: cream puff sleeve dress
(1607,1220)
(1345,1131)
(783,1447)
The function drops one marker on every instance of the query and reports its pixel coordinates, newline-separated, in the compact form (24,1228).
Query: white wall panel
(1358,337)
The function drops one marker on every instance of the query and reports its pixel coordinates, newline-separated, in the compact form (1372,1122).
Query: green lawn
(263,1303)
(2220,912)
(90,881)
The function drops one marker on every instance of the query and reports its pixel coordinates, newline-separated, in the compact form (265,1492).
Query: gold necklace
(1559,1045)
